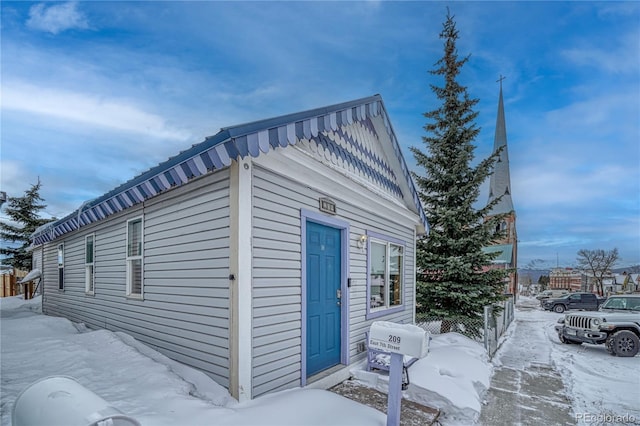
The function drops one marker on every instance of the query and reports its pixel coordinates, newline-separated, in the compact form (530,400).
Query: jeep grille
(578,321)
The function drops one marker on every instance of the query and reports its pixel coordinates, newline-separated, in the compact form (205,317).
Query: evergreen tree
(544,282)
(23,213)
(454,280)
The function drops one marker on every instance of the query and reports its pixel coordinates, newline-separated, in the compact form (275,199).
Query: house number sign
(327,205)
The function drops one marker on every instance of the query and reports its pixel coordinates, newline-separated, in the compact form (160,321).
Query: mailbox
(405,339)
(61,400)
(398,340)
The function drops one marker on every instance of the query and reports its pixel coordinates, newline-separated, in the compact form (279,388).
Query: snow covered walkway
(538,380)
(526,389)
(534,395)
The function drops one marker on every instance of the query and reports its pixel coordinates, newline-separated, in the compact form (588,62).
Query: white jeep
(616,325)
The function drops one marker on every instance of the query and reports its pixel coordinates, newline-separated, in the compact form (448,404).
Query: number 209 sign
(405,339)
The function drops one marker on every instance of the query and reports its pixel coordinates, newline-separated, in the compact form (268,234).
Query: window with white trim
(89,257)
(134,257)
(60,266)
(386,274)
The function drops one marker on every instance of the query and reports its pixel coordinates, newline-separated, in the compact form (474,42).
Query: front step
(411,413)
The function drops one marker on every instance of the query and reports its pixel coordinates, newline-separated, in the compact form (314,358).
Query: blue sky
(93,93)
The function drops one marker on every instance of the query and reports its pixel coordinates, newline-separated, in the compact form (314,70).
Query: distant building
(621,283)
(567,279)
(607,279)
(628,283)
(500,186)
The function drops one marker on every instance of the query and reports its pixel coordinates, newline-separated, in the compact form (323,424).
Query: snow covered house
(259,256)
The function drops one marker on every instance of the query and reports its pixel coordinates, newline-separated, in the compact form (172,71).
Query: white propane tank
(61,400)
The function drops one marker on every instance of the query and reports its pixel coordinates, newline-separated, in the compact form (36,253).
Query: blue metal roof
(252,139)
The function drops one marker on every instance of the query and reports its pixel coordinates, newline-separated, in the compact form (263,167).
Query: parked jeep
(616,325)
(584,301)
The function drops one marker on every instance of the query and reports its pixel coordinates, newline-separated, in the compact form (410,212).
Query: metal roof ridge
(269,123)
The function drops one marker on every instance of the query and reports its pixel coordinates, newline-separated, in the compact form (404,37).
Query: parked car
(584,301)
(551,294)
(616,325)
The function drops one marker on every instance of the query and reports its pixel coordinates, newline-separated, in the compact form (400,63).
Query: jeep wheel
(626,343)
(608,344)
(558,308)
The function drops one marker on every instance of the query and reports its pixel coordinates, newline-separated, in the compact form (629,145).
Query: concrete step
(411,413)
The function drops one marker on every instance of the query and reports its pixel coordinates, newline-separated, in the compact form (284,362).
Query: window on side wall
(89,258)
(134,257)
(386,274)
(60,266)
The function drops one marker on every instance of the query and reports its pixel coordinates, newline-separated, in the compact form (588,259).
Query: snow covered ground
(155,390)
(598,384)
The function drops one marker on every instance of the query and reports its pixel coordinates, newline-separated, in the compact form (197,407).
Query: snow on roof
(32,275)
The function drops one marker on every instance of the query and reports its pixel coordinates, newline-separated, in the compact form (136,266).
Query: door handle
(339,294)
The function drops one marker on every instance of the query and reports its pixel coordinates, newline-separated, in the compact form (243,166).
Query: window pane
(134,245)
(89,278)
(377,271)
(395,275)
(89,249)
(135,271)
(61,267)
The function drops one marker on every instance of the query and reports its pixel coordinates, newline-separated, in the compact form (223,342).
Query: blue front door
(323,297)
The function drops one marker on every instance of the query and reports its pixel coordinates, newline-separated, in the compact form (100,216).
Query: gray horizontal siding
(49,271)
(277,264)
(185,311)
(276,291)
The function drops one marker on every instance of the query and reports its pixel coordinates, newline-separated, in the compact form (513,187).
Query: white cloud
(10,175)
(618,60)
(115,114)
(617,9)
(559,183)
(57,18)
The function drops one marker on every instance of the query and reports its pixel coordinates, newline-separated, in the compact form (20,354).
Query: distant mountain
(629,269)
(535,274)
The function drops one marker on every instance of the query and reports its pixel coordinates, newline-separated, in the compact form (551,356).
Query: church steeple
(500,185)
(500,181)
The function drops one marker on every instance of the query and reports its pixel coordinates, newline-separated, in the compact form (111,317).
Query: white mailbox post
(399,340)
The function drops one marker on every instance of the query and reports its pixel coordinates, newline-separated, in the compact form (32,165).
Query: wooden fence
(10,286)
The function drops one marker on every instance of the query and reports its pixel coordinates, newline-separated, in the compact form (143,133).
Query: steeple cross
(500,79)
